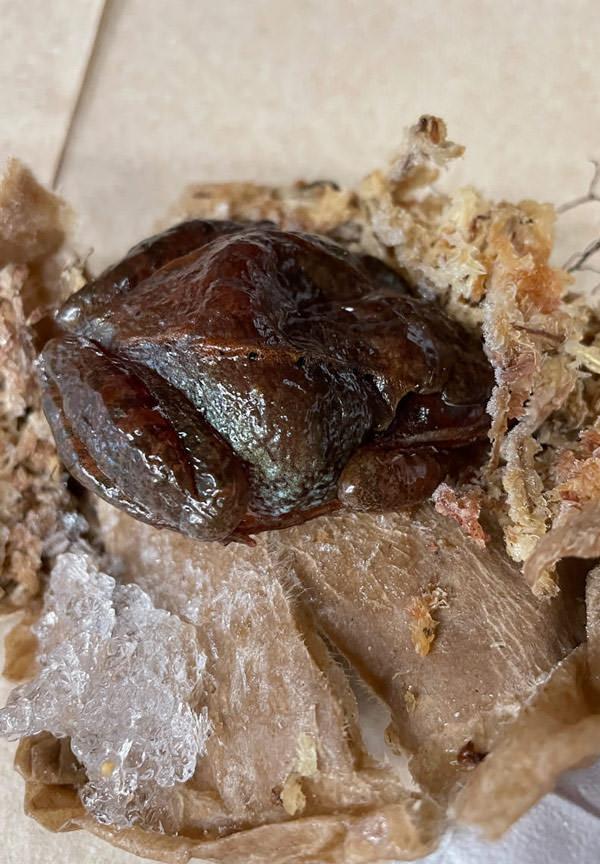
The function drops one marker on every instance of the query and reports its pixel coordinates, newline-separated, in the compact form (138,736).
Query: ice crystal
(121,679)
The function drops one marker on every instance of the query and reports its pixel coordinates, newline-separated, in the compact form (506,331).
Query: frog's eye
(139,444)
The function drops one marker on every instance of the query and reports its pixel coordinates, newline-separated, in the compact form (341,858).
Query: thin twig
(576,263)
(593,193)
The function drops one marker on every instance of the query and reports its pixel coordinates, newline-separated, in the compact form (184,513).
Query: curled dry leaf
(557,730)
(360,573)
(575,535)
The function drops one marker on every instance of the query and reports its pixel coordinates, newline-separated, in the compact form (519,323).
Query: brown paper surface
(361,575)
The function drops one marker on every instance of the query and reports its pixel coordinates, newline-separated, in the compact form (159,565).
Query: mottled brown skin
(225,379)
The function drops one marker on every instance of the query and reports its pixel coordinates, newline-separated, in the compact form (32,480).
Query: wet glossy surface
(226,378)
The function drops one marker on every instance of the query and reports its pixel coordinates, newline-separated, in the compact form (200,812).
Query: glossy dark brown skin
(225,379)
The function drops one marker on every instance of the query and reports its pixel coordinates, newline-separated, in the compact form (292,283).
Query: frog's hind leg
(427,440)
(383,480)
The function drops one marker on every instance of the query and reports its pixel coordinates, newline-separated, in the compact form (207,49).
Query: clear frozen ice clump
(122,679)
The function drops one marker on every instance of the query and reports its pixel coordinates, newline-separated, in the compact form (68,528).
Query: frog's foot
(428,439)
(380,480)
(138,443)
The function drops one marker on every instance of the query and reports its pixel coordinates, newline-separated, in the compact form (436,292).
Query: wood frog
(229,378)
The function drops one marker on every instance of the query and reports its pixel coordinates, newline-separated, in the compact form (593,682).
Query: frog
(226,378)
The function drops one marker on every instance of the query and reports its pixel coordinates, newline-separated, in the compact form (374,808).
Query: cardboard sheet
(43,60)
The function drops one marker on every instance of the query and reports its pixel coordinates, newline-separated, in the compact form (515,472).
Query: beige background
(121,103)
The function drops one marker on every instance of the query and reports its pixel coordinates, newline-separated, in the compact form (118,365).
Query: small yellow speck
(107,768)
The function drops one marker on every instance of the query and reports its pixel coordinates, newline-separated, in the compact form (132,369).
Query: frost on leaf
(120,678)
